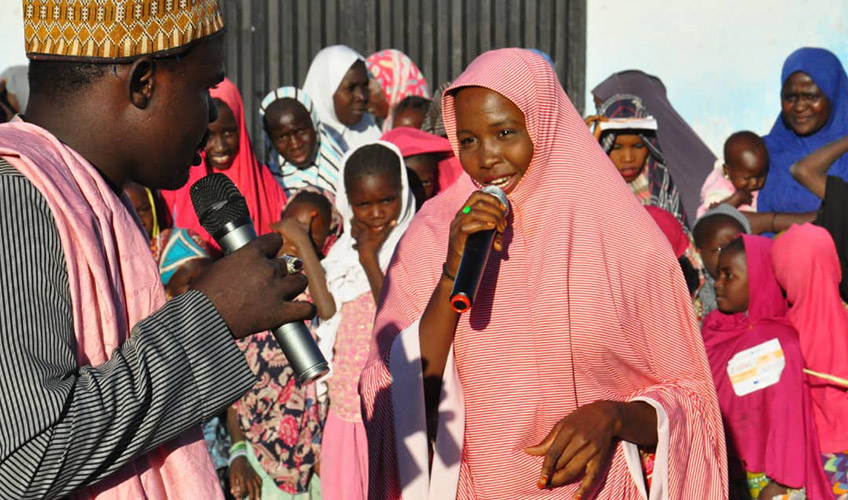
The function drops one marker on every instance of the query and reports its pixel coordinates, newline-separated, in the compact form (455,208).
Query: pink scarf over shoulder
(807,267)
(114,283)
(562,319)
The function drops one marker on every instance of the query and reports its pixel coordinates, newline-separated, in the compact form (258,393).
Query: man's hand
(251,289)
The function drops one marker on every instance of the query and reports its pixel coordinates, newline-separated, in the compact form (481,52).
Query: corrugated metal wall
(271,42)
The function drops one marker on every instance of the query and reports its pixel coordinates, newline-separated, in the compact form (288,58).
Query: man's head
(137,110)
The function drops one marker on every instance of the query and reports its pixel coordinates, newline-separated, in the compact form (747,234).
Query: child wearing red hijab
(228,152)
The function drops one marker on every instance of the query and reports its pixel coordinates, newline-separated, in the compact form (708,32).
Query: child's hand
(244,481)
(294,234)
(369,239)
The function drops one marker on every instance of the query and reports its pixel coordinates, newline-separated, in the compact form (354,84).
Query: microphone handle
(295,339)
(471,269)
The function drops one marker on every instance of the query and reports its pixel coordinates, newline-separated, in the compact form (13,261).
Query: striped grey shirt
(64,426)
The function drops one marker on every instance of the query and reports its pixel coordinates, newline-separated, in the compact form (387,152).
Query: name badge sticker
(756,368)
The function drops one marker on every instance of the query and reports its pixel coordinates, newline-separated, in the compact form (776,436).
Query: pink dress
(717,188)
(344,462)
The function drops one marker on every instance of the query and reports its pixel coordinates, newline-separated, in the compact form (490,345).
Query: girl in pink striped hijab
(566,364)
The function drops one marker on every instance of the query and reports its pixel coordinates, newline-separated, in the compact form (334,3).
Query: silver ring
(293,264)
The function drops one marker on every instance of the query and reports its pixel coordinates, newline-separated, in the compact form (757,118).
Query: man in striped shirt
(119,92)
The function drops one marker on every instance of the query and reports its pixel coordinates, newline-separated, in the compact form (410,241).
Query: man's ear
(141,83)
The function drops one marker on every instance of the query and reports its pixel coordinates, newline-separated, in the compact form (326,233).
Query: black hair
(707,224)
(373,159)
(413,102)
(751,140)
(57,78)
(315,200)
(54,78)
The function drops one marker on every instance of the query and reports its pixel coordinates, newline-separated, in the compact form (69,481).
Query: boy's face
(426,167)
(715,240)
(746,170)
(732,282)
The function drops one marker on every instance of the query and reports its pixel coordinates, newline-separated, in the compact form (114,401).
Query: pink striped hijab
(398,76)
(807,267)
(562,319)
(114,283)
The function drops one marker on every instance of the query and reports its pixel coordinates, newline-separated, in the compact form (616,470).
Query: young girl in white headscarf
(377,206)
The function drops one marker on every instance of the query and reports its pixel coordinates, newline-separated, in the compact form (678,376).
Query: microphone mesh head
(499,194)
(217,202)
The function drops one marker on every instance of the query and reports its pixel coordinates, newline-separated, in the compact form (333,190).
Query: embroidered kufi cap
(116,30)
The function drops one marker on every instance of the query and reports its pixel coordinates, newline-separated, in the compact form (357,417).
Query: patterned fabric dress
(280,417)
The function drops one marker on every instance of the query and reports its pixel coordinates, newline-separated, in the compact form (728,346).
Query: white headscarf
(346,278)
(325,74)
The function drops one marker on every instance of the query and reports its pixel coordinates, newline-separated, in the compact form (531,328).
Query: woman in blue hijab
(814,112)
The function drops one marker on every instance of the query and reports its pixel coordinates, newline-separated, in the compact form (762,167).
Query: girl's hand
(580,444)
(368,239)
(244,481)
(484,212)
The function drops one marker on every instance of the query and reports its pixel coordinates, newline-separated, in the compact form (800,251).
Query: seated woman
(338,84)
(565,367)
(628,135)
(768,414)
(687,156)
(228,152)
(395,77)
(814,112)
(303,153)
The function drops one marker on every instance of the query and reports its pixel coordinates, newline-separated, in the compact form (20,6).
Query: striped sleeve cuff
(221,374)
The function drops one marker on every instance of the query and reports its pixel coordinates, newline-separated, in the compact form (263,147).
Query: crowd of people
(653,321)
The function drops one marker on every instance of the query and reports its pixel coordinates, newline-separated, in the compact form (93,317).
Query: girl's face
(292,133)
(375,200)
(351,97)
(426,167)
(494,145)
(805,107)
(721,236)
(629,154)
(310,219)
(223,144)
(732,283)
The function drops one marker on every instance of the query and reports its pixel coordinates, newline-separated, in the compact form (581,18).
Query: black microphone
(474,259)
(223,213)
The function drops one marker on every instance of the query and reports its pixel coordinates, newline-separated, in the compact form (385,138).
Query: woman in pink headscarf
(565,369)
(807,267)
(228,152)
(395,77)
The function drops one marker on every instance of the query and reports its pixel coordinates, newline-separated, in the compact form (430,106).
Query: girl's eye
(466,140)
(506,132)
(641,145)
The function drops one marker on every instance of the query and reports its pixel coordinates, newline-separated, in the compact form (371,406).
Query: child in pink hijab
(807,267)
(771,430)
